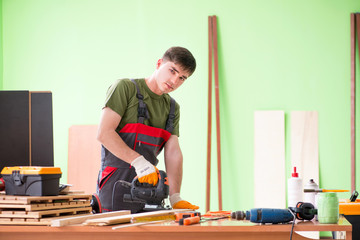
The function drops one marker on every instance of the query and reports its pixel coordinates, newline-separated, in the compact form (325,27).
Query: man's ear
(159,62)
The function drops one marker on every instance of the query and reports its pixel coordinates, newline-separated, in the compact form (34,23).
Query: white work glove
(178,203)
(146,172)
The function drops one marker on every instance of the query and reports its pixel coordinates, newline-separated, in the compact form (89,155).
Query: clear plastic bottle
(295,189)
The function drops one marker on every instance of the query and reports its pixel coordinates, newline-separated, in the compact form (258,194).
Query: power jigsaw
(152,196)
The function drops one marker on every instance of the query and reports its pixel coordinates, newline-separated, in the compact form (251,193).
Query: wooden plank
(217,107)
(305,144)
(352,97)
(208,156)
(353,164)
(24,221)
(40,214)
(305,150)
(83,157)
(47,221)
(46,206)
(128,218)
(81,219)
(13,199)
(269,159)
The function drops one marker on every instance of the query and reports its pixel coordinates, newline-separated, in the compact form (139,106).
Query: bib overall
(147,141)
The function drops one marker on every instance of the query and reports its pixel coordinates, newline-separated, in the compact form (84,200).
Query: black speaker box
(26,129)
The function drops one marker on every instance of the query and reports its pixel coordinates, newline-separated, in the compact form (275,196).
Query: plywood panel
(305,149)
(269,159)
(84,158)
(305,145)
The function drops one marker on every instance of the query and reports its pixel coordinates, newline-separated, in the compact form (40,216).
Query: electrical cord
(293,223)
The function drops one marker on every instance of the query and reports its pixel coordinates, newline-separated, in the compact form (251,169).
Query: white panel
(305,150)
(269,159)
(304,144)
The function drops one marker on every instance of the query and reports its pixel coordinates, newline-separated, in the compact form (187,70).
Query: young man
(138,120)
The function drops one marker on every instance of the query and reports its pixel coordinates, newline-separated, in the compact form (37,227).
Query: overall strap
(143,112)
(170,121)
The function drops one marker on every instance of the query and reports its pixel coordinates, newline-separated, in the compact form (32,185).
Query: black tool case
(31,181)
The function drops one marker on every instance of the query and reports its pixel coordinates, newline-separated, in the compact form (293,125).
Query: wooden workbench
(221,229)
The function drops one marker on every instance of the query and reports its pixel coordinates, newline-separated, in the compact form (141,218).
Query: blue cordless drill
(302,211)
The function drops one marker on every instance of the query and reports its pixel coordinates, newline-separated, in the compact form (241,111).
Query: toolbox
(351,211)
(31,181)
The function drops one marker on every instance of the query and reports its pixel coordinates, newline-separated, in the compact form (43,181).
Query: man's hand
(178,203)
(146,172)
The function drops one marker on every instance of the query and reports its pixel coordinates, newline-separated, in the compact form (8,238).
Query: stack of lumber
(29,210)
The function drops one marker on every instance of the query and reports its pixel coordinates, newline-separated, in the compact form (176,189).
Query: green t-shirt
(121,98)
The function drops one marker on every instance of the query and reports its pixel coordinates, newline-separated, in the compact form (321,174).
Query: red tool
(189,221)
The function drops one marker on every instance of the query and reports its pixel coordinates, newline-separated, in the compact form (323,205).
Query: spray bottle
(310,196)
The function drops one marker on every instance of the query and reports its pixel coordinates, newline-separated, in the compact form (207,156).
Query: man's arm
(108,137)
(174,169)
(173,164)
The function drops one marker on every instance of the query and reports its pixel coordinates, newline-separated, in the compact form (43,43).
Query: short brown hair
(181,56)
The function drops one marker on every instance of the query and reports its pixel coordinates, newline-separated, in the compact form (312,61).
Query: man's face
(169,76)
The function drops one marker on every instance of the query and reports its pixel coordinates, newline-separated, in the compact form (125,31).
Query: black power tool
(148,194)
(152,196)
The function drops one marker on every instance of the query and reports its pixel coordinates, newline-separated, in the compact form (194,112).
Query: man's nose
(174,80)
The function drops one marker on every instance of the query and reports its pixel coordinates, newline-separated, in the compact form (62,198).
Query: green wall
(273,55)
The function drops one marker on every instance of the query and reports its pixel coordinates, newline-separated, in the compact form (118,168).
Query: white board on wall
(269,159)
(305,145)
(305,150)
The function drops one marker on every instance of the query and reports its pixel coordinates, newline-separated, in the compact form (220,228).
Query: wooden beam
(213,56)
(208,163)
(217,103)
(353,64)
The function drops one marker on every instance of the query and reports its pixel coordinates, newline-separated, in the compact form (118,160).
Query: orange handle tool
(189,221)
(181,215)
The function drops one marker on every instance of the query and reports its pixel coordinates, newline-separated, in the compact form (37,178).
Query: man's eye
(172,70)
